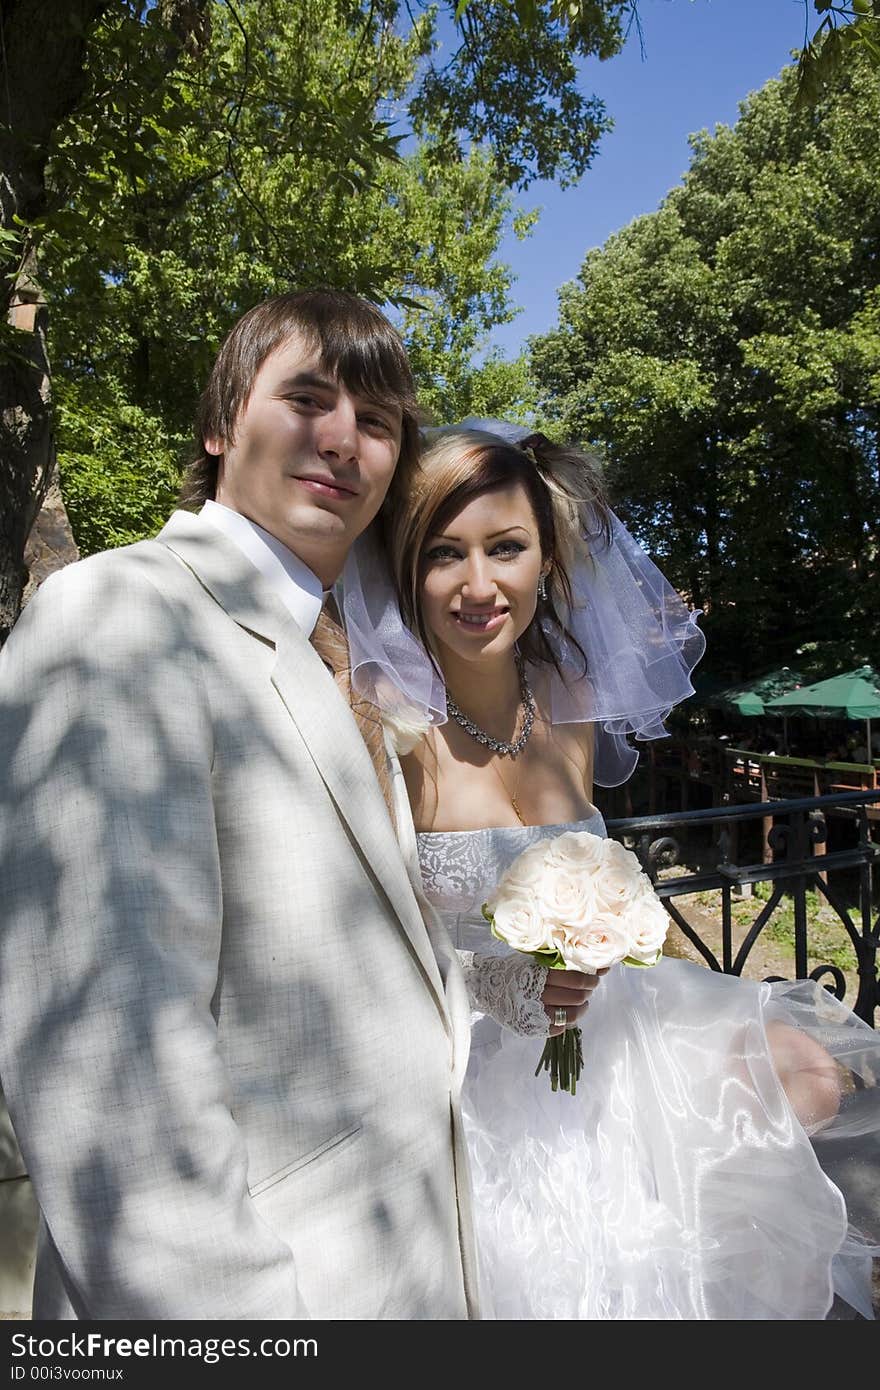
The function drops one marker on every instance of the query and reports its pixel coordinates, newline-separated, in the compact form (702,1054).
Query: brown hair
(566,493)
(357,346)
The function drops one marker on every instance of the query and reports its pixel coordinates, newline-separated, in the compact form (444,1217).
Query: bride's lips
(486,621)
(327,487)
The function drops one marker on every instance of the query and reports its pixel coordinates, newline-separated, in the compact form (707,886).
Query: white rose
(526,873)
(518,920)
(649,923)
(578,849)
(616,853)
(616,886)
(620,878)
(603,942)
(566,896)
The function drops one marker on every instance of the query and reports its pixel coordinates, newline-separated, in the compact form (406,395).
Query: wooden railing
(742,775)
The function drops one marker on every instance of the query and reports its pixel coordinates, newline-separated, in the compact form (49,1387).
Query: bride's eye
(508,549)
(441,552)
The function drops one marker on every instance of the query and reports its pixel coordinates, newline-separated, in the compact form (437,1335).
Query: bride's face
(480,576)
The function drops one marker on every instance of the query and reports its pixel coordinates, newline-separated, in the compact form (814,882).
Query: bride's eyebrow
(441,536)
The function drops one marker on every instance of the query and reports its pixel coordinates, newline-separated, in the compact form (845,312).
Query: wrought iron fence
(794,858)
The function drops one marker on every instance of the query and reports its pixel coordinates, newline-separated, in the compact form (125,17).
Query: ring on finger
(560,1016)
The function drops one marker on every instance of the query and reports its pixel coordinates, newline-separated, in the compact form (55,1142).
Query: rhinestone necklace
(506,750)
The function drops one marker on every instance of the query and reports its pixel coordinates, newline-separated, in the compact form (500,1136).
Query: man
(230,1044)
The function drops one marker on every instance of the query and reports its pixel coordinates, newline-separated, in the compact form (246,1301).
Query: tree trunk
(43,61)
(44,43)
(50,545)
(27,454)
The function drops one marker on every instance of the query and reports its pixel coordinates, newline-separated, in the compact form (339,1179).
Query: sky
(702,58)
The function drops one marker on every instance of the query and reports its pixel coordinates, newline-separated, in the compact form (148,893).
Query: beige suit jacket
(231,1043)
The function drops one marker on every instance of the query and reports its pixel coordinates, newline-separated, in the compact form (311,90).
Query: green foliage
(512,83)
(844,32)
(723,352)
(264,162)
(119,467)
(265,152)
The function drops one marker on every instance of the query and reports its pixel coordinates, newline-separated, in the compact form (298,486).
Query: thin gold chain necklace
(511,794)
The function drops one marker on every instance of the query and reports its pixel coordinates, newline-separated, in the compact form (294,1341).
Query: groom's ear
(213,445)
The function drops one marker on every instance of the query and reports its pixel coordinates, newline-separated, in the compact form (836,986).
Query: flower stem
(563,1057)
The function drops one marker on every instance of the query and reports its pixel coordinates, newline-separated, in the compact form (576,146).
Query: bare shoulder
(574,741)
(565,750)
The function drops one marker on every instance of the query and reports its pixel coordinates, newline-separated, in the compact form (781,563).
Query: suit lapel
(320,713)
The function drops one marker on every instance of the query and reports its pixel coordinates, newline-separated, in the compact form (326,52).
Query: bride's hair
(567,496)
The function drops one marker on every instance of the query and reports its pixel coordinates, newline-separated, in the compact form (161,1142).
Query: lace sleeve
(509,988)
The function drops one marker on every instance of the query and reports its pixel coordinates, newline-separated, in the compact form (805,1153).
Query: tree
(179,116)
(724,353)
(512,82)
(44,54)
(844,32)
(197,240)
(850,30)
(43,81)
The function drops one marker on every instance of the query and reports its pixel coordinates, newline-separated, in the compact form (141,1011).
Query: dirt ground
(768,957)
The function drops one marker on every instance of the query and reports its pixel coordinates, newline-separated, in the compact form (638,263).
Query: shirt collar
(298,588)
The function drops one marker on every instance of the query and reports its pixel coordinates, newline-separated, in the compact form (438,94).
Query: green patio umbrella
(750,698)
(852,695)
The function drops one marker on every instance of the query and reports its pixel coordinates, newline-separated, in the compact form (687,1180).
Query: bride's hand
(571,990)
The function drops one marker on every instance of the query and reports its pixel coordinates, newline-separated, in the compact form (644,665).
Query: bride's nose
(478,584)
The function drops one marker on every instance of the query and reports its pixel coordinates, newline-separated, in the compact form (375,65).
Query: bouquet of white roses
(577,902)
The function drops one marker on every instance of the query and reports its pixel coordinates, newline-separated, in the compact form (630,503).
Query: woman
(680,1181)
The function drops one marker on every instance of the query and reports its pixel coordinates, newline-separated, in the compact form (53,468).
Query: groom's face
(310,461)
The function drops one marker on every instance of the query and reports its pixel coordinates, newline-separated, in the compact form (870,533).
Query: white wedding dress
(678,1182)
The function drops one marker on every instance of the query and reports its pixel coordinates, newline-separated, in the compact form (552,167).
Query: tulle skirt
(679,1182)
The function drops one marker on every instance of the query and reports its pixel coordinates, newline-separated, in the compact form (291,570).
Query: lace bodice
(460,867)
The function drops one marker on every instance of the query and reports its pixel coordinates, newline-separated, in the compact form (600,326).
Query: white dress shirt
(298,588)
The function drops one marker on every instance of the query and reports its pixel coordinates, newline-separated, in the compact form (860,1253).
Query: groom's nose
(336,432)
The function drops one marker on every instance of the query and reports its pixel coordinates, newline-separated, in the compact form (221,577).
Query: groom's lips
(326,486)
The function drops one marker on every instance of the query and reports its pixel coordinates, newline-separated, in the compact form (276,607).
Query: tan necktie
(329,641)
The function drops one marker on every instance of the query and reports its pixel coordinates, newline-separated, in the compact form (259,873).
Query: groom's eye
(377,423)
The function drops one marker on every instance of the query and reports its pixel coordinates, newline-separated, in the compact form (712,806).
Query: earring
(542,587)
